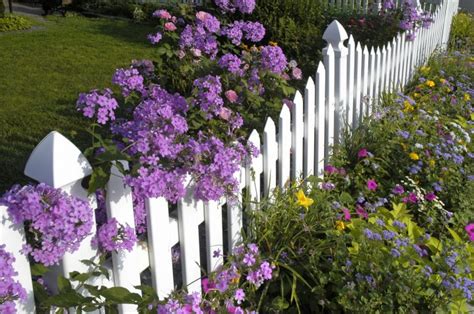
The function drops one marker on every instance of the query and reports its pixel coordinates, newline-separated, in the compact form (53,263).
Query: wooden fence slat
(328,56)
(320,119)
(351,67)
(270,156)
(371,81)
(297,139)
(357,111)
(234,213)
(309,128)
(214,235)
(188,214)
(253,171)
(159,248)
(284,144)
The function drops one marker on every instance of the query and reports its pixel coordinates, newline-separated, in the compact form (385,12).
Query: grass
(42,73)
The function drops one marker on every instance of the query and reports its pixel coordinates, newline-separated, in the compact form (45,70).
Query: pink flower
(363,153)
(347,214)
(330,169)
(207,285)
(372,185)
(169,26)
(181,54)
(297,74)
(162,14)
(361,212)
(202,16)
(225,113)
(430,196)
(231,96)
(470,231)
(196,52)
(288,103)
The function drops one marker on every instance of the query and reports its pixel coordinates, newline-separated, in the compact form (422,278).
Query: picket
(297,139)
(159,246)
(328,55)
(321,116)
(309,128)
(347,84)
(270,156)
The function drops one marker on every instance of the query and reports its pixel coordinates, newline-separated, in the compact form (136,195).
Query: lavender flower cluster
(226,288)
(100,104)
(113,236)
(55,222)
(10,290)
(412,16)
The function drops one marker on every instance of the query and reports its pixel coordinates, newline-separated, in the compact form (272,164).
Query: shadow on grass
(125,31)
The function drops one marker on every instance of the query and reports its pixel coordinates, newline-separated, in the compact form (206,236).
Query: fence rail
(347,85)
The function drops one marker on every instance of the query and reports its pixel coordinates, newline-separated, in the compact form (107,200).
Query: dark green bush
(2,9)
(297,26)
(14,23)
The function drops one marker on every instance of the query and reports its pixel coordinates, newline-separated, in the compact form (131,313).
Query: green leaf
(64,284)
(39,292)
(99,178)
(120,295)
(455,236)
(280,303)
(66,299)
(39,270)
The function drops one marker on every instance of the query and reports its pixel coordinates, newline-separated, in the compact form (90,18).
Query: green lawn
(43,71)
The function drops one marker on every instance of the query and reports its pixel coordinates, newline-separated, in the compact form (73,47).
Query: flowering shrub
(183,118)
(10,290)
(55,222)
(233,288)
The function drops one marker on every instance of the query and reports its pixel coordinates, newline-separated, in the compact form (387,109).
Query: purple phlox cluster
(399,224)
(208,96)
(328,186)
(231,63)
(129,80)
(244,6)
(388,235)
(273,59)
(251,31)
(113,236)
(201,37)
(57,221)
(154,38)
(388,5)
(10,289)
(98,103)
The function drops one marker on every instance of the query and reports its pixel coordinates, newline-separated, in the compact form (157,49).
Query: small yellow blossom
(408,106)
(442,81)
(303,200)
(414,156)
(416,95)
(430,83)
(432,163)
(340,225)
(467,97)
(272,43)
(425,70)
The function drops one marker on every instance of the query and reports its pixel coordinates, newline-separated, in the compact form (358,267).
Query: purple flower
(398,224)
(98,103)
(249,259)
(273,59)
(113,236)
(398,189)
(239,295)
(232,63)
(10,289)
(372,185)
(154,38)
(57,222)
(363,153)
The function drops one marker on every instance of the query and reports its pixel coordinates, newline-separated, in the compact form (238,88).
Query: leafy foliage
(14,23)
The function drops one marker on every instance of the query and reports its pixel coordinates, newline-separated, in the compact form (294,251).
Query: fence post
(335,34)
(59,163)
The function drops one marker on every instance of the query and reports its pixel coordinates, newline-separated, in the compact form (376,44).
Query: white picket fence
(346,87)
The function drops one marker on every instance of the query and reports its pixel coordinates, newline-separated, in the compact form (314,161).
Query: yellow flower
(408,106)
(432,163)
(303,200)
(414,156)
(430,83)
(340,225)
(467,97)
(425,70)
(442,81)
(416,95)
(272,43)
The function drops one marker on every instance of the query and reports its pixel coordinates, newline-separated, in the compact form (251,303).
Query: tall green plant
(2,9)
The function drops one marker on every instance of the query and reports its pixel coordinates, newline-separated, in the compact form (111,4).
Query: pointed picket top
(57,162)
(310,82)
(328,51)
(359,47)
(321,69)
(255,138)
(389,47)
(270,127)
(335,34)
(285,112)
(351,41)
(366,50)
(372,51)
(298,99)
